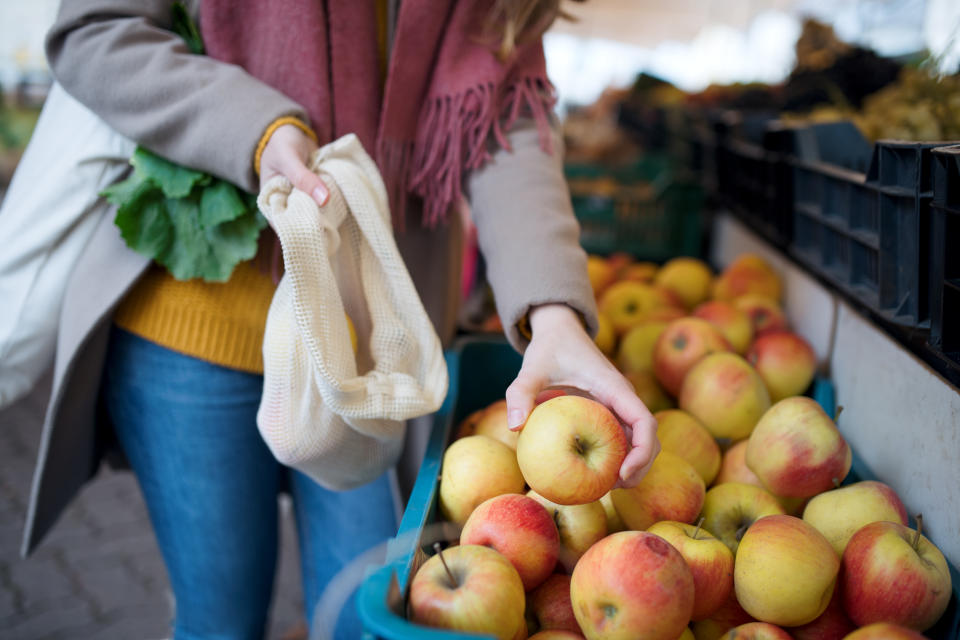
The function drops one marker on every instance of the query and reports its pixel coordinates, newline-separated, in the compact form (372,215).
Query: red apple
(730,615)
(550,605)
(671,490)
(682,434)
(681,345)
(648,597)
(748,274)
(765,313)
(726,395)
(729,509)
(579,525)
(797,451)
(840,513)
(884,631)
(710,562)
(785,571)
(474,469)
(481,592)
(733,468)
(570,450)
(785,361)
(522,530)
(757,631)
(893,574)
(733,324)
(833,623)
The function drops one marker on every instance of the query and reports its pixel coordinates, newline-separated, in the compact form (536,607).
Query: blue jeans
(210,483)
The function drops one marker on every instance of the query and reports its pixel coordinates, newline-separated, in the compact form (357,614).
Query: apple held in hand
(551,607)
(681,345)
(730,508)
(726,395)
(478,590)
(884,631)
(570,450)
(785,571)
(632,585)
(757,631)
(797,451)
(840,513)
(785,361)
(710,562)
(579,526)
(522,530)
(476,468)
(682,434)
(894,574)
(671,490)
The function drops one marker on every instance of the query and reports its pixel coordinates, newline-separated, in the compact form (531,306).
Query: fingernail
(320,194)
(515,418)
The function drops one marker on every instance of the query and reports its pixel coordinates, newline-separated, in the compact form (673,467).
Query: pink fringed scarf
(446,93)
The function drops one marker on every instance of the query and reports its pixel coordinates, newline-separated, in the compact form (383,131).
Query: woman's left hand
(561,353)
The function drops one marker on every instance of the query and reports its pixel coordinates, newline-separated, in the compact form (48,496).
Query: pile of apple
(740,529)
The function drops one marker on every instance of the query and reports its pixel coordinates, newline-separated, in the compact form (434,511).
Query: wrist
(546,317)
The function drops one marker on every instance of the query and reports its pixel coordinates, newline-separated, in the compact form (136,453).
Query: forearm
(120,58)
(528,233)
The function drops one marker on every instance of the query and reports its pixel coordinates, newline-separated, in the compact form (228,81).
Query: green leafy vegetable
(195,225)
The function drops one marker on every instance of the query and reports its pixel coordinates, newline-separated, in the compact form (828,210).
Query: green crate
(641,208)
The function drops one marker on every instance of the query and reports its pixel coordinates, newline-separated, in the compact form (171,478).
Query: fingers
(520,396)
(307,181)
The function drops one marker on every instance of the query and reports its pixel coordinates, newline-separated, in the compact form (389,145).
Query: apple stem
(699,524)
(916,538)
(836,416)
(836,483)
(453,580)
(579,444)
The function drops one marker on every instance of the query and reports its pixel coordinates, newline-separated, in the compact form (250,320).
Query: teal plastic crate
(480,370)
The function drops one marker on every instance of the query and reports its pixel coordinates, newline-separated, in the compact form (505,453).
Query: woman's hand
(286,154)
(562,354)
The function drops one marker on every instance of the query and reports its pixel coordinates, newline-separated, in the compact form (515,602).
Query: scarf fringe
(452,135)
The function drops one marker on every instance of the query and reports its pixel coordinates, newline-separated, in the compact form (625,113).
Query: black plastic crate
(861,217)
(945,254)
(754,179)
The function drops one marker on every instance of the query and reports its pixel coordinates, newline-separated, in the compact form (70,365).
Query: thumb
(520,396)
(309,182)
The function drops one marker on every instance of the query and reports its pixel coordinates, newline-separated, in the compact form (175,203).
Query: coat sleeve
(528,233)
(120,59)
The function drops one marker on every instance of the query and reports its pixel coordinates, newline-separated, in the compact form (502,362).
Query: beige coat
(119,58)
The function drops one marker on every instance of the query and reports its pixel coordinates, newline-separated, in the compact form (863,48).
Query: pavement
(98,574)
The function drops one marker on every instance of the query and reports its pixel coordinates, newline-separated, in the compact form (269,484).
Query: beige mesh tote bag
(334,414)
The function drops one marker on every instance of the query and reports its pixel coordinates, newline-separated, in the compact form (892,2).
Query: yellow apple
(785,362)
(730,508)
(884,631)
(626,303)
(757,631)
(796,449)
(600,273)
(681,345)
(689,278)
(731,322)
(606,338)
(635,352)
(671,490)
(493,424)
(840,513)
(640,272)
(649,391)
(476,468)
(632,585)
(785,571)
(481,593)
(570,450)
(682,434)
(710,562)
(614,521)
(579,525)
(726,395)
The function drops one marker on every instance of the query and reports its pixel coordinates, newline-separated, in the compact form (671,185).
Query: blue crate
(480,368)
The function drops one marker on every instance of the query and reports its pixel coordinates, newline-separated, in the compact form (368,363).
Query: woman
(174,368)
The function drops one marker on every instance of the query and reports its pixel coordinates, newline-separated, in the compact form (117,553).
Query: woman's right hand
(286,154)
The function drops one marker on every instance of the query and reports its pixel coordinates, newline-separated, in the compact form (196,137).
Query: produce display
(740,529)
